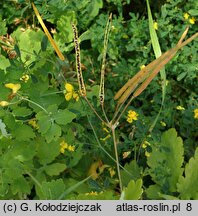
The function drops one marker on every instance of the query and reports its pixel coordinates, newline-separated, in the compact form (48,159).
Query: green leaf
(3,28)
(158,53)
(166,161)
(20,185)
(134,172)
(44,43)
(55,169)
(134,190)
(51,190)
(3,129)
(64,117)
(4,63)
(65,34)
(28,41)
(153,192)
(188,185)
(53,133)
(22,111)
(44,122)
(23,133)
(93,7)
(193,12)
(46,152)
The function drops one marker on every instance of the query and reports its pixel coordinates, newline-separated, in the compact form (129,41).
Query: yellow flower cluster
(195,113)
(70,92)
(145,144)
(132,116)
(64,145)
(33,123)
(191,20)
(25,78)
(92,193)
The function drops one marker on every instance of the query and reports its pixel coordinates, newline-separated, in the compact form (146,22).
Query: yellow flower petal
(69,87)
(71,148)
(14,87)
(155,25)
(192,20)
(68,96)
(180,108)
(195,113)
(75,96)
(147,154)
(142,66)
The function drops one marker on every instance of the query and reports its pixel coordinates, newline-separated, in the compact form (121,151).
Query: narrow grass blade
(60,55)
(157,51)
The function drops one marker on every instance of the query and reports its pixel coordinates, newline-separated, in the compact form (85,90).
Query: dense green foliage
(50,143)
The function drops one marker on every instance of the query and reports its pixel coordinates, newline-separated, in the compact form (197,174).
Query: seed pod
(81,84)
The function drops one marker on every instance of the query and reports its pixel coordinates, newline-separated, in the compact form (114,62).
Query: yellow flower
(92,193)
(142,66)
(163,123)
(25,78)
(155,25)
(192,20)
(14,87)
(147,154)
(145,144)
(186,15)
(180,108)
(71,148)
(4,103)
(70,92)
(132,116)
(69,87)
(111,172)
(195,113)
(63,146)
(126,154)
(33,123)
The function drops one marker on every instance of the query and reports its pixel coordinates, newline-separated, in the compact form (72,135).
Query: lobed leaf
(166,161)
(134,190)
(188,185)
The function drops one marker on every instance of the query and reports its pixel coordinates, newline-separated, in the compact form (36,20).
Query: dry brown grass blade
(146,75)
(60,55)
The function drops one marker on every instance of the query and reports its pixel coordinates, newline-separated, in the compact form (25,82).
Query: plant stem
(116,155)
(25,99)
(100,146)
(90,105)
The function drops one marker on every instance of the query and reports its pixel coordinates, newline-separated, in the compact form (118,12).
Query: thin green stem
(104,113)
(117,120)
(116,155)
(100,146)
(58,92)
(90,105)
(34,179)
(30,101)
